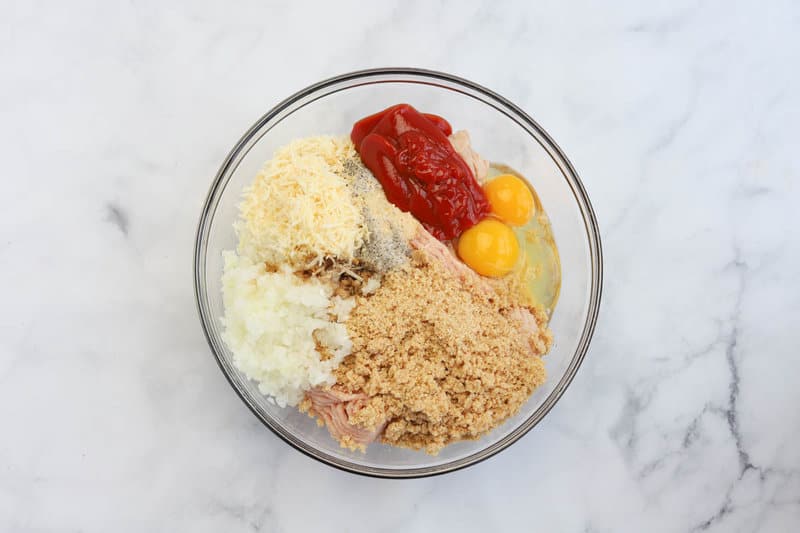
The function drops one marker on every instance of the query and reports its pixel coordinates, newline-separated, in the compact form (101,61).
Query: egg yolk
(511,199)
(490,248)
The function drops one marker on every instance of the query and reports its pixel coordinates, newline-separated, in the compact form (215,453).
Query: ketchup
(420,171)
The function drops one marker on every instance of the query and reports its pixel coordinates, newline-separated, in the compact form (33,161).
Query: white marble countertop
(682,120)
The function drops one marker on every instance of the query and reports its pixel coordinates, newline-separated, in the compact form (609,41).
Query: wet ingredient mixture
(381,284)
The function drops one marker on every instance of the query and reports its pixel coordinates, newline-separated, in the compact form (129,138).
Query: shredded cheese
(298,210)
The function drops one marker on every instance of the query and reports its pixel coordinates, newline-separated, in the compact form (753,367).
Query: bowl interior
(500,133)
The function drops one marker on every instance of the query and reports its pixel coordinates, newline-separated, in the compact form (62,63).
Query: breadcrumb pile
(439,360)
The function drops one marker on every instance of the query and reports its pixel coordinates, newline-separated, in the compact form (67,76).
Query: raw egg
(511,199)
(490,248)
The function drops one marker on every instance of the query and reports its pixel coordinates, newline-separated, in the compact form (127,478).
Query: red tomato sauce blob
(420,171)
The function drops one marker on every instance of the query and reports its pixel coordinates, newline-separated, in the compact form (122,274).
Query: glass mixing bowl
(501,132)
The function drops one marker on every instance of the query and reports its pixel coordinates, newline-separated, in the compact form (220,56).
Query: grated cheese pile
(299,210)
(276,325)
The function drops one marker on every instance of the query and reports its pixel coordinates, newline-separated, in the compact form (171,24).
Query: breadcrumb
(440,361)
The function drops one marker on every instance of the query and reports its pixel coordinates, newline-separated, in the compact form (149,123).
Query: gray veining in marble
(681,118)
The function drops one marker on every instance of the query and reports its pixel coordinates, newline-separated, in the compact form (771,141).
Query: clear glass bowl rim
(428,77)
